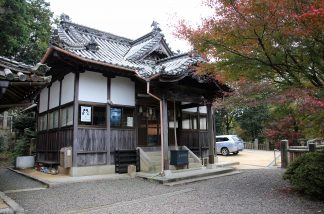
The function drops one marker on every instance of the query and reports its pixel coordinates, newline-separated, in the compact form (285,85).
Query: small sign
(85,114)
(130,122)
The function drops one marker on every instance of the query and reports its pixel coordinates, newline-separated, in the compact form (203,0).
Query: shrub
(2,144)
(306,174)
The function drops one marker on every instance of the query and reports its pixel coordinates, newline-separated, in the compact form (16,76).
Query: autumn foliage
(278,40)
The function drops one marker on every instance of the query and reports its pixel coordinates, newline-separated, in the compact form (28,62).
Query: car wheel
(235,153)
(225,151)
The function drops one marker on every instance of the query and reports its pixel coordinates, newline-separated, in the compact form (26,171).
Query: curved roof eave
(51,49)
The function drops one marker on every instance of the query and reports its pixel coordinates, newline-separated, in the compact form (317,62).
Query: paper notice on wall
(85,114)
(130,121)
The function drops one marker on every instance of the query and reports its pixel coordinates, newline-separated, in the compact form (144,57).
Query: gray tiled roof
(122,52)
(26,72)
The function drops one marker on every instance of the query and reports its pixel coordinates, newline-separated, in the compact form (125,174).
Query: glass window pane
(44,122)
(99,116)
(203,123)
(115,117)
(194,121)
(69,120)
(55,119)
(63,117)
(50,122)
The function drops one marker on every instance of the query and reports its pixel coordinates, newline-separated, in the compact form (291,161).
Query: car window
(236,138)
(221,139)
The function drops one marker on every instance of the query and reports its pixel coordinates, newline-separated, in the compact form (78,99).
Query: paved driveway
(252,159)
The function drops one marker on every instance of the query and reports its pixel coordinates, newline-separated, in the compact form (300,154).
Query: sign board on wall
(85,113)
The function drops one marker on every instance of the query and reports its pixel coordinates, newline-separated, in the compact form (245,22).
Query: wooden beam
(27,83)
(190,105)
(15,105)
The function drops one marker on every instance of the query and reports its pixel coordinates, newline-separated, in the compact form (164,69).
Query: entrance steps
(180,177)
(151,160)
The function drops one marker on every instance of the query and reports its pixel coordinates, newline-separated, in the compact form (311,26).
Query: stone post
(284,153)
(5,120)
(256,144)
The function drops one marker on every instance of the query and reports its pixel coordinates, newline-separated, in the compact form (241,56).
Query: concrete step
(189,175)
(191,180)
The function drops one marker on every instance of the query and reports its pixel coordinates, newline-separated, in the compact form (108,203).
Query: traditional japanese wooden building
(110,93)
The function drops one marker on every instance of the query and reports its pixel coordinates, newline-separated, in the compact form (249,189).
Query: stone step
(188,175)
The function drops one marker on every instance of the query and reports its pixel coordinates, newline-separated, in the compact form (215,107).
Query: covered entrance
(149,126)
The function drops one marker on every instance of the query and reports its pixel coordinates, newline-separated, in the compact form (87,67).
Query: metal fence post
(284,153)
(311,147)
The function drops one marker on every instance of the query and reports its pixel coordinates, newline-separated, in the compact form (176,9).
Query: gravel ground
(252,191)
(13,181)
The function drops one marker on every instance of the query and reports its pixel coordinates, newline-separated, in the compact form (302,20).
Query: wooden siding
(49,144)
(122,139)
(91,147)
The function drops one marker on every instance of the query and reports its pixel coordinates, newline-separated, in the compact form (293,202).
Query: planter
(179,157)
(23,162)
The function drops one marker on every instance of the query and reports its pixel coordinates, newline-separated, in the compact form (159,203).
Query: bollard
(275,157)
(256,144)
(311,147)
(284,153)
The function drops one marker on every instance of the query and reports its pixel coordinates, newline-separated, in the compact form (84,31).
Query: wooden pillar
(284,153)
(198,129)
(108,160)
(75,119)
(211,136)
(165,142)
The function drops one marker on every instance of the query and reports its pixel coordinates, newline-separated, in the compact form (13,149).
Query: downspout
(161,124)
(161,121)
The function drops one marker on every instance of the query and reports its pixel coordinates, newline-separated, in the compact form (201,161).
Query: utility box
(66,157)
(179,157)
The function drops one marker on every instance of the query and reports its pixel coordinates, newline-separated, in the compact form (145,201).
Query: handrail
(195,157)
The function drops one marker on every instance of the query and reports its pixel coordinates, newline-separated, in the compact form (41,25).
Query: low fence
(257,146)
(297,151)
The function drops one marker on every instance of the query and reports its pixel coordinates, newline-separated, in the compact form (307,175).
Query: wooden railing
(297,151)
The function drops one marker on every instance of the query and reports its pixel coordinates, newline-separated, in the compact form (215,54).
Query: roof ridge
(172,57)
(95,31)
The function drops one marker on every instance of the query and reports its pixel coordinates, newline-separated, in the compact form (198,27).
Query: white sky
(133,18)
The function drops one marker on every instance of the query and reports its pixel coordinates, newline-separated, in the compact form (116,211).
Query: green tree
(252,121)
(25,29)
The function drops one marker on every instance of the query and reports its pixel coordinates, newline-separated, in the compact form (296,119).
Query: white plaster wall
(122,91)
(54,95)
(203,109)
(92,87)
(43,100)
(67,94)
(194,109)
